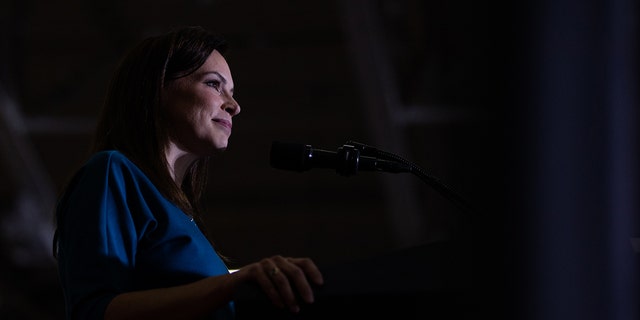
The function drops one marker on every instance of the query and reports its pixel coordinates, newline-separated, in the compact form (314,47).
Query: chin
(221,145)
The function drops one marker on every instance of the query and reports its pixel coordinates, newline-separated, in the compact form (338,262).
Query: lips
(225,123)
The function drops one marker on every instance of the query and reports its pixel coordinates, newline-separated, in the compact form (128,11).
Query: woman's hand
(283,279)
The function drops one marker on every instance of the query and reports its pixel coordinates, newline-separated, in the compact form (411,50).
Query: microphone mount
(348,162)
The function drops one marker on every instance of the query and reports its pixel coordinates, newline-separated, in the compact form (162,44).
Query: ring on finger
(274,271)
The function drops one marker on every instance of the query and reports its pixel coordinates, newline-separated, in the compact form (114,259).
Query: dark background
(528,110)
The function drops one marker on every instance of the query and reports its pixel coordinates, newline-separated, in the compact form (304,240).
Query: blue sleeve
(98,238)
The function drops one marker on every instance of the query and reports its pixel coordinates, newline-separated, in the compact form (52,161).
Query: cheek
(195,119)
(189,108)
(185,107)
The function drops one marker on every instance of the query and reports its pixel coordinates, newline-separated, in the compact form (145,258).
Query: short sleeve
(97,259)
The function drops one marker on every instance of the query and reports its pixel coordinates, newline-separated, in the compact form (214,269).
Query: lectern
(430,281)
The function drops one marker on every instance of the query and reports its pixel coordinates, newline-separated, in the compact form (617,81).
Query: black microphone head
(290,156)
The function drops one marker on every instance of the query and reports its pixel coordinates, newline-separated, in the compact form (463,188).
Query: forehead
(216,63)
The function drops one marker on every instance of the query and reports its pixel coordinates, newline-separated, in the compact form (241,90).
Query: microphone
(346,161)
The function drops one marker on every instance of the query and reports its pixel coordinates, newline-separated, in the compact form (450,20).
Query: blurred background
(528,111)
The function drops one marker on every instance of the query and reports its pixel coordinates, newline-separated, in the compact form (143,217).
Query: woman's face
(200,108)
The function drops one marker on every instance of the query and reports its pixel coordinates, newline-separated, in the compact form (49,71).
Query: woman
(129,238)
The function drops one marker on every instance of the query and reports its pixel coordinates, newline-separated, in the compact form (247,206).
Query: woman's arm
(280,278)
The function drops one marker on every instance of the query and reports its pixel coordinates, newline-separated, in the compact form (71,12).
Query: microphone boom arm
(416,170)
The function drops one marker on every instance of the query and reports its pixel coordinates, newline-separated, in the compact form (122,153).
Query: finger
(263,278)
(281,276)
(310,269)
(298,277)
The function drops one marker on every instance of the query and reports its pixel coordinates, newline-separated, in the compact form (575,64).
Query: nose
(231,106)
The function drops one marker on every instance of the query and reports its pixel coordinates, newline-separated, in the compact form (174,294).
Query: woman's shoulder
(110,163)
(108,159)
(100,167)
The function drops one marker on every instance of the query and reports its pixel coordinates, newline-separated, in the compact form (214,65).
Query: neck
(178,161)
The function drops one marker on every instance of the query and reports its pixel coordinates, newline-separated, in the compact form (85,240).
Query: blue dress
(117,233)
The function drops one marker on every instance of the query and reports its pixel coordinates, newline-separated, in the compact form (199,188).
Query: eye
(215,84)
